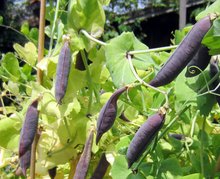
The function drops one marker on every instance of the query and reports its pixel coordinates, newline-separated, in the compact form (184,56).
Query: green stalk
(53,27)
(143,101)
(11,28)
(92,38)
(202,147)
(41,39)
(152,50)
(193,123)
(90,85)
(67,128)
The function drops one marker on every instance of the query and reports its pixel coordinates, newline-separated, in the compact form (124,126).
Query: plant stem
(39,79)
(73,164)
(209,82)
(41,39)
(193,123)
(53,27)
(152,50)
(202,147)
(67,128)
(33,153)
(8,27)
(92,38)
(90,85)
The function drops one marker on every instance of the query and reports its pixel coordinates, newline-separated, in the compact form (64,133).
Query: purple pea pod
(123,117)
(62,73)
(29,128)
(101,168)
(176,136)
(108,114)
(183,53)
(144,136)
(83,164)
(52,172)
(25,161)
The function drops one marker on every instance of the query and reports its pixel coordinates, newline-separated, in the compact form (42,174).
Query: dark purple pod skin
(79,63)
(177,136)
(62,73)
(83,164)
(101,168)
(25,161)
(143,137)
(52,172)
(214,70)
(108,114)
(183,53)
(29,128)
(200,60)
(124,118)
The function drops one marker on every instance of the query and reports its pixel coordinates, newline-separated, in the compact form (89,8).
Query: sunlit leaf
(9,129)
(28,53)
(213,8)
(88,15)
(120,168)
(10,67)
(117,62)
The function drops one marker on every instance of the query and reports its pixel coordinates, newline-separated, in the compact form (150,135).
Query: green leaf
(117,62)
(25,28)
(122,145)
(170,166)
(77,80)
(136,176)
(67,108)
(9,130)
(88,15)
(186,90)
(212,38)
(28,53)
(120,168)
(213,8)
(194,176)
(48,65)
(182,89)
(33,35)
(10,67)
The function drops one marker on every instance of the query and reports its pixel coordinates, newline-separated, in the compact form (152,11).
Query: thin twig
(53,27)
(152,50)
(33,153)
(92,38)
(39,78)
(41,39)
(8,27)
(90,84)
(202,147)
(193,123)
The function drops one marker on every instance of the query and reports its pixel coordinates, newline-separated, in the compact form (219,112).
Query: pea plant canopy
(115,102)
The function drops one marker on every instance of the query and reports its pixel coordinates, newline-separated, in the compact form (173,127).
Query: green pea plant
(83,107)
